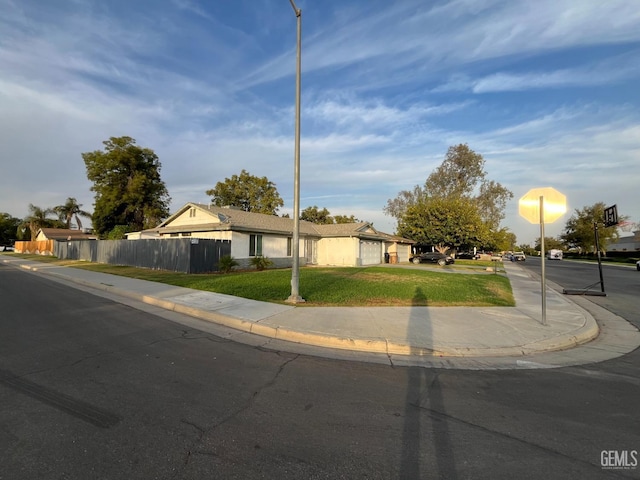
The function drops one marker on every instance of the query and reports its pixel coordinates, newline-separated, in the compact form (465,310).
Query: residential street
(90,388)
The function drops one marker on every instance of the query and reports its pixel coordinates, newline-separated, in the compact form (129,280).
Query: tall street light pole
(295,251)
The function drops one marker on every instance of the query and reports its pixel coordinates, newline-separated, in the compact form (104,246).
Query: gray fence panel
(205,254)
(177,255)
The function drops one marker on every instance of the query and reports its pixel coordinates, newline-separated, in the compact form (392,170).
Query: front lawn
(341,286)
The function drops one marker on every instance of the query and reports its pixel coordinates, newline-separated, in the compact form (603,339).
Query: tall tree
(37,219)
(8,229)
(248,192)
(461,176)
(127,185)
(313,215)
(396,207)
(500,240)
(69,210)
(346,219)
(444,222)
(549,244)
(579,230)
(458,175)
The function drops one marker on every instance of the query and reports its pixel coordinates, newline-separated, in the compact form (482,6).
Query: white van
(555,254)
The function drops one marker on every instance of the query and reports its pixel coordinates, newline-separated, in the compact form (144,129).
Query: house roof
(228,218)
(626,243)
(66,234)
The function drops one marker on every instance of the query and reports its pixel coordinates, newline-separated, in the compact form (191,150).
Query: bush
(117,233)
(226,263)
(261,262)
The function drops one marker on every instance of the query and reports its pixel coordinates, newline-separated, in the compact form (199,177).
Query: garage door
(370,253)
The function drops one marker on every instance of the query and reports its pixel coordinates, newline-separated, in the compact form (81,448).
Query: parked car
(433,257)
(467,255)
(6,248)
(518,257)
(638,265)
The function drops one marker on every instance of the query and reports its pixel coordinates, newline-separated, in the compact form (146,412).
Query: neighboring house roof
(626,243)
(229,218)
(65,234)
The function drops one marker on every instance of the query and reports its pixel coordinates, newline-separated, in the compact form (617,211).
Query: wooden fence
(40,247)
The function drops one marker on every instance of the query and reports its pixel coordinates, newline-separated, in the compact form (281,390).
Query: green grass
(344,286)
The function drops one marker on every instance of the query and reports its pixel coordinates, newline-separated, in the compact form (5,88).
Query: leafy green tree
(458,175)
(118,232)
(345,219)
(396,207)
(8,229)
(579,230)
(444,222)
(248,192)
(501,240)
(324,217)
(127,185)
(69,210)
(313,215)
(526,249)
(461,177)
(550,243)
(37,219)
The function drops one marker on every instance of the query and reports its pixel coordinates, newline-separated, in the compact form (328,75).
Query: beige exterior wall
(193,216)
(338,251)
(41,237)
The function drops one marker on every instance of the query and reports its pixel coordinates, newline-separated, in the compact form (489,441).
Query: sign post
(540,205)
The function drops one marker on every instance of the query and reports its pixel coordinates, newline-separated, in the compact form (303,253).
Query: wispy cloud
(536,87)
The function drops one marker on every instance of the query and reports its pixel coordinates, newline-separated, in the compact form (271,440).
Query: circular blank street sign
(555,205)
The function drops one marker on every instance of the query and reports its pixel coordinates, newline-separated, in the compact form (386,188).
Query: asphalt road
(621,283)
(93,389)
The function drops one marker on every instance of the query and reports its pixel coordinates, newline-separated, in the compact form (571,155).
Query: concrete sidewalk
(465,337)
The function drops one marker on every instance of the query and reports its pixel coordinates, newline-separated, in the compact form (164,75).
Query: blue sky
(546,91)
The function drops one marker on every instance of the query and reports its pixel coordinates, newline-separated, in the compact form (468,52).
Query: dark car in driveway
(468,256)
(433,257)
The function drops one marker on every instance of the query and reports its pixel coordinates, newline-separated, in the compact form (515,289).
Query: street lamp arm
(297,11)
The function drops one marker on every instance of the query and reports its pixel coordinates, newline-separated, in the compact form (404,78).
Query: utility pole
(295,250)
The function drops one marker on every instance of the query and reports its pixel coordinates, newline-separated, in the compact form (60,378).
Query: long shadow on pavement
(426,441)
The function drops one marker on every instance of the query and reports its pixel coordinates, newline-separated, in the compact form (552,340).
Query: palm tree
(69,210)
(37,219)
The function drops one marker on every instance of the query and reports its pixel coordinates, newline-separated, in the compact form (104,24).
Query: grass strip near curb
(338,286)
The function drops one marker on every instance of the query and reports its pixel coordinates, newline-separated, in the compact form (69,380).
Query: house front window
(255,245)
(289,248)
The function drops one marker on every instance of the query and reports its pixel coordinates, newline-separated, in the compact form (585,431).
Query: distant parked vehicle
(433,257)
(554,254)
(638,265)
(467,256)
(6,248)
(518,257)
